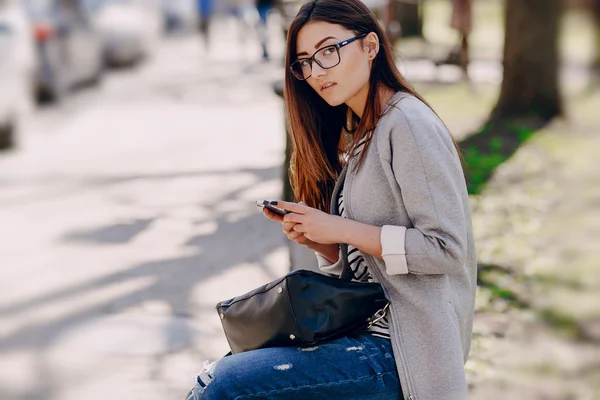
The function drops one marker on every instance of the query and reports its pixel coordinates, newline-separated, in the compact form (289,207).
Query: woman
(405,217)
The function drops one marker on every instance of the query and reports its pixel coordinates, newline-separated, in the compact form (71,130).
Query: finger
(288,226)
(301,239)
(294,217)
(299,228)
(294,235)
(272,216)
(293,207)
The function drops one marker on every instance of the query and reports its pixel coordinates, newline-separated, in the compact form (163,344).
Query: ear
(371,45)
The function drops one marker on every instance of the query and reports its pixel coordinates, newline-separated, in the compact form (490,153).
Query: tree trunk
(287,194)
(408,14)
(596,11)
(402,19)
(530,85)
(387,16)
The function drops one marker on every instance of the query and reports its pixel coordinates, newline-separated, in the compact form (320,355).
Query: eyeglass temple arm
(347,42)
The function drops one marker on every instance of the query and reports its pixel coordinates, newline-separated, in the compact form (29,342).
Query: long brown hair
(318,130)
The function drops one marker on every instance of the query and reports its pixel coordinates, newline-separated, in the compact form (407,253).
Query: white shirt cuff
(393,250)
(326,266)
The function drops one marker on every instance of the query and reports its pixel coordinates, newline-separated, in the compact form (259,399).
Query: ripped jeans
(356,367)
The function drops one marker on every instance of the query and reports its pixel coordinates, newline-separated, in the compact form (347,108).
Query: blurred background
(137,134)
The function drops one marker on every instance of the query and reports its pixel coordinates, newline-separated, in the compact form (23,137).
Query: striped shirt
(359,266)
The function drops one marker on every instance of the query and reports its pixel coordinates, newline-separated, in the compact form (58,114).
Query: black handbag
(302,308)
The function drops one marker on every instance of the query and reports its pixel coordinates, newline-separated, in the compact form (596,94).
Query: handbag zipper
(240,298)
(275,283)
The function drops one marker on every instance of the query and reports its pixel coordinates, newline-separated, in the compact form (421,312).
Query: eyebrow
(317,45)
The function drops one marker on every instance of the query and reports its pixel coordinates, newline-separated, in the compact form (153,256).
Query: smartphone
(266,204)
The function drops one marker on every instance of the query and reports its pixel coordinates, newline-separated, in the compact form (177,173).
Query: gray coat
(412,184)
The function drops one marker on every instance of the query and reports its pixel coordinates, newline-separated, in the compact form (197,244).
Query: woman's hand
(322,232)
(288,229)
(313,224)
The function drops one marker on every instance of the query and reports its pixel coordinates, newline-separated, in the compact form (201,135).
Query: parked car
(69,50)
(130,29)
(17,68)
(179,15)
(7,74)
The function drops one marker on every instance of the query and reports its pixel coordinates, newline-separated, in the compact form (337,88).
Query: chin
(334,101)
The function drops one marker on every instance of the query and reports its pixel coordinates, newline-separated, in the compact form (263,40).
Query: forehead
(313,32)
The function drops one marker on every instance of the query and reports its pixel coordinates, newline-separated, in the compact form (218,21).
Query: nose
(317,70)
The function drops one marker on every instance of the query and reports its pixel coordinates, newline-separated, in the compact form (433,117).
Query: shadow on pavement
(171,280)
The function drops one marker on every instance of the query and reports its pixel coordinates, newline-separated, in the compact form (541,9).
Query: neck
(358,102)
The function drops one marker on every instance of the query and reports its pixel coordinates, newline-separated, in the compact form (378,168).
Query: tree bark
(387,16)
(408,14)
(288,193)
(530,86)
(402,19)
(596,11)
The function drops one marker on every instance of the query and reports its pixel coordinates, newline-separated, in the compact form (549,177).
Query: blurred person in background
(253,15)
(462,22)
(206,9)
(264,7)
(365,140)
(248,18)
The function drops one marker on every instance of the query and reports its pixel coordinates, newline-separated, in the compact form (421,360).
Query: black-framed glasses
(327,57)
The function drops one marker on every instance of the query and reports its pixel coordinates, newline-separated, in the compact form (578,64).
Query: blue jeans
(357,367)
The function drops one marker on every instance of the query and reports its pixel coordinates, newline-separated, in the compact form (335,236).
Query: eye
(304,62)
(327,51)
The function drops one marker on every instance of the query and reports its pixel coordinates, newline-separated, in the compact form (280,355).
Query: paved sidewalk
(126,215)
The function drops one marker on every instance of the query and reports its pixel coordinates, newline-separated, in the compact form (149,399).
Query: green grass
(493,145)
(508,286)
(562,323)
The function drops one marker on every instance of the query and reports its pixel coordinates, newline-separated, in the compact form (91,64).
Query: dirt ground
(537,225)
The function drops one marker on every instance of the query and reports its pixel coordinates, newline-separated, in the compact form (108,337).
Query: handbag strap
(347,273)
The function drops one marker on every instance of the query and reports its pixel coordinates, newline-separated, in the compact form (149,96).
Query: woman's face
(346,80)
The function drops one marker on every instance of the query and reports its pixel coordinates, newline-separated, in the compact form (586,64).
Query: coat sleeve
(428,171)
(326,266)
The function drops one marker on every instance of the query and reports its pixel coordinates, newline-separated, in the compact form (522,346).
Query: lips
(327,85)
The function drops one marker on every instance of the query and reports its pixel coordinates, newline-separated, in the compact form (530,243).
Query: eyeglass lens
(327,57)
